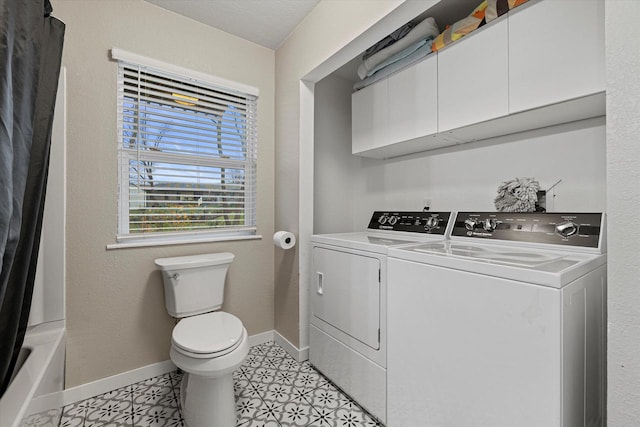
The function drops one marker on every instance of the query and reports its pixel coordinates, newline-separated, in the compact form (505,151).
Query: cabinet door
(369,117)
(473,77)
(346,293)
(556,52)
(413,101)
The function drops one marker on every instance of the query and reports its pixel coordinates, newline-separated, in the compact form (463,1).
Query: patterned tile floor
(272,390)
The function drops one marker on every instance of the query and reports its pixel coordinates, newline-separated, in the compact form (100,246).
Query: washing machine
(502,325)
(348,300)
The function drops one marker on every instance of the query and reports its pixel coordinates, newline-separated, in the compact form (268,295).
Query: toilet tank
(194,284)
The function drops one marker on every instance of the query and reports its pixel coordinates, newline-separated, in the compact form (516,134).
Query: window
(187,155)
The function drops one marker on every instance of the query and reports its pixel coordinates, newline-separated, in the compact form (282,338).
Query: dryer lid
(208,333)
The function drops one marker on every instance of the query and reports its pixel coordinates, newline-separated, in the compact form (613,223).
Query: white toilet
(208,345)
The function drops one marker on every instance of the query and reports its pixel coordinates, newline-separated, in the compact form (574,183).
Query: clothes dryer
(348,299)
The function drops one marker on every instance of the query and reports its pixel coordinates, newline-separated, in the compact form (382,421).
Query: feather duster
(517,195)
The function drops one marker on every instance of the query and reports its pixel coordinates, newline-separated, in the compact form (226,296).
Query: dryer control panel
(567,229)
(411,221)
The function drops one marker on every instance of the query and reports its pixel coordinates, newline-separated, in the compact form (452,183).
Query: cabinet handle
(320,283)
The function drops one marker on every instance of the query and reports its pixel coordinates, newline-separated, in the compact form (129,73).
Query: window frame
(126,239)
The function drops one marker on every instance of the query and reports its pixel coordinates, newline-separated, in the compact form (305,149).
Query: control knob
(470,224)
(489,224)
(393,220)
(383,219)
(567,229)
(431,223)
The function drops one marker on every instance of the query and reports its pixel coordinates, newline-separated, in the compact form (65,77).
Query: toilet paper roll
(284,239)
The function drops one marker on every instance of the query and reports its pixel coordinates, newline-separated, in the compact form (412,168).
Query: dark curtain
(30,55)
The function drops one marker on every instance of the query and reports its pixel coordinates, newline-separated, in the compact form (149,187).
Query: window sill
(179,241)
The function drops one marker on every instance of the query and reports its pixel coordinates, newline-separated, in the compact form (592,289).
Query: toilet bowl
(207,344)
(208,348)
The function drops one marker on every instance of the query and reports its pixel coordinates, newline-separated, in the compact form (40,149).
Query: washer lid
(208,333)
(516,257)
(543,267)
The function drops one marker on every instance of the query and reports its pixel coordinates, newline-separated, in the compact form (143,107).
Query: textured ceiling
(265,22)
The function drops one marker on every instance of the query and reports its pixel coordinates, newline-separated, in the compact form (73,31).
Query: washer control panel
(410,221)
(570,229)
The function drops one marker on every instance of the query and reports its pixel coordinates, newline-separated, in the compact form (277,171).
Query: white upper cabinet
(413,101)
(473,78)
(370,117)
(556,52)
(540,65)
(399,108)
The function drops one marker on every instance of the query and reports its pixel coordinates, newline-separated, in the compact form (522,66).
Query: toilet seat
(207,335)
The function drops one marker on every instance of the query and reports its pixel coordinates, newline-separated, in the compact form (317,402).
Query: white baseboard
(117,381)
(95,388)
(299,354)
(260,338)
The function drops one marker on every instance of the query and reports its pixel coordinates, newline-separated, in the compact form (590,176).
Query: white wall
(349,188)
(623,200)
(622,177)
(334,165)
(466,177)
(583,187)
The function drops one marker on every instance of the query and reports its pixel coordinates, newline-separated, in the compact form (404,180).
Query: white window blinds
(187,155)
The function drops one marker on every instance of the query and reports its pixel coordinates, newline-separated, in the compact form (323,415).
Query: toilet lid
(208,333)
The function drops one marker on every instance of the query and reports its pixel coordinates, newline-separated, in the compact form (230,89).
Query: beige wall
(116,320)
(329,27)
